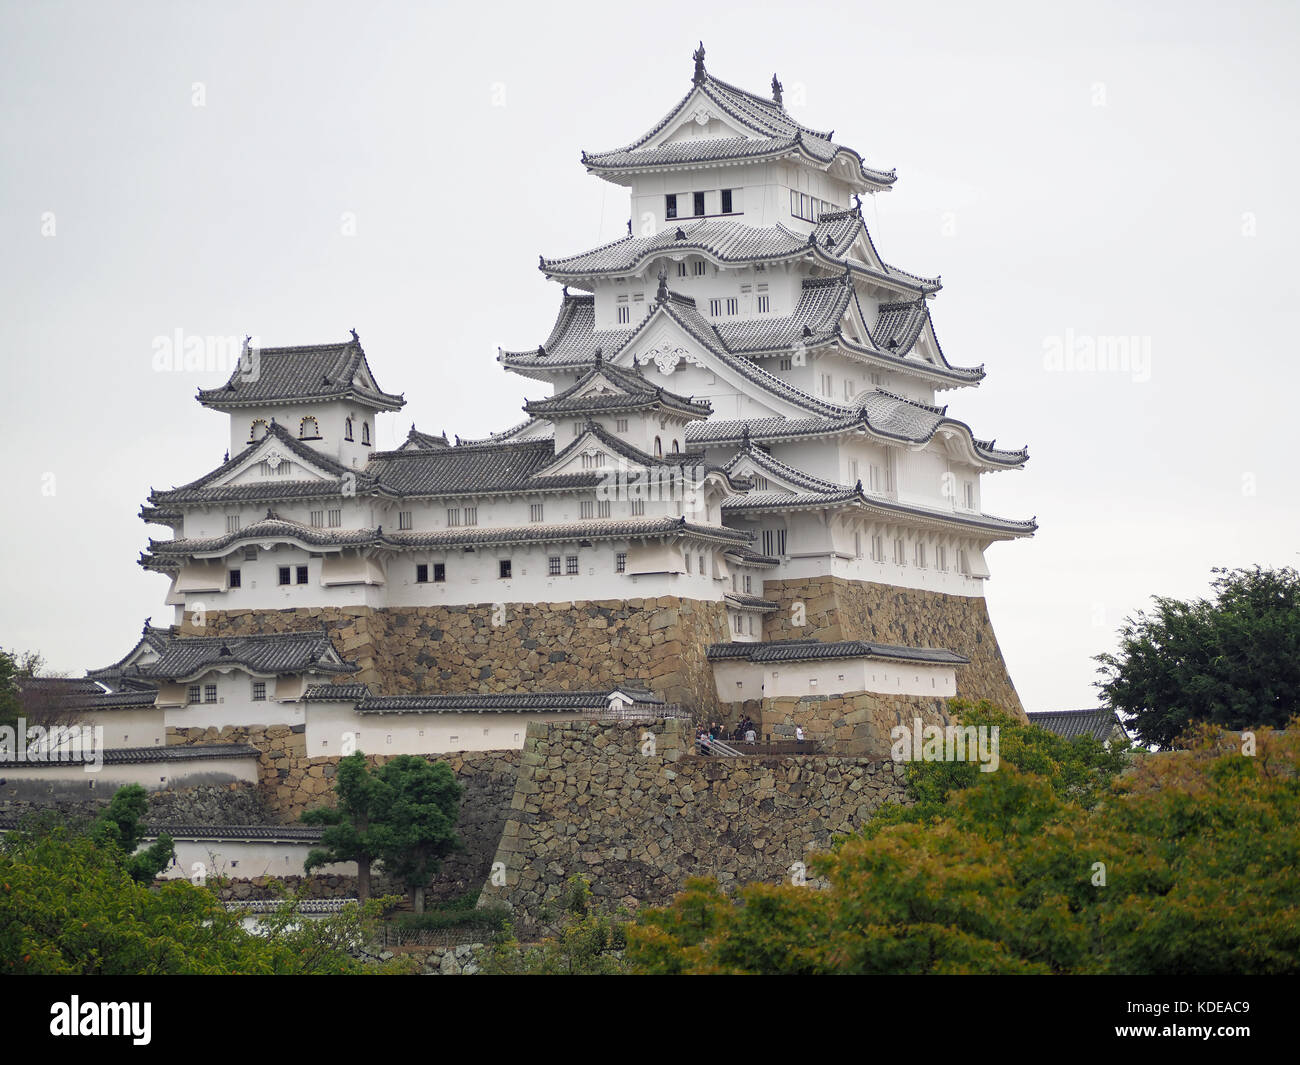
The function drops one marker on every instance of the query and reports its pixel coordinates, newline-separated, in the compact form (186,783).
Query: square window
(553,565)
(422,573)
(336,518)
(571,565)
(504,569)
(439,572)
(209,693)
(670,206)
(232,523)
(317,519)
(259,691)
(235,579)
(284,575)
(699,203)
(620,425)
(471,515)
(302,574)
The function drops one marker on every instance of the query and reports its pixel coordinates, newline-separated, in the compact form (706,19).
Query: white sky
(1101,170)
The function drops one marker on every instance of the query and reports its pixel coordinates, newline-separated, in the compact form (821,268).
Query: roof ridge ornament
(776,91)
(355,339)
(700,72)
(661,295)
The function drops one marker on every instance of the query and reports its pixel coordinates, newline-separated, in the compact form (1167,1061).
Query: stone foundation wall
(838,609)
(290,783)
(632,808)
(514,646)
(209,804)
(854,725)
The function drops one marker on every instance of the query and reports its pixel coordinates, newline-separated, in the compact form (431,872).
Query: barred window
(209,693)
(471,515)
(232,523)
(193,693)
(235,578)
(571,565)
(317,518)
(587,508)
(403,519)
(302,574)
(336,518)
(439,572)
(259,691)
(535,512)
(602,508)
(422,573)
(620,562)
(553,565)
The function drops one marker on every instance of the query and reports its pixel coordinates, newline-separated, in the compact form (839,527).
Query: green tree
(349,826)
(1232,661)
(1183,863)
(415,820)
(121,824)
(582,942)
(70,906)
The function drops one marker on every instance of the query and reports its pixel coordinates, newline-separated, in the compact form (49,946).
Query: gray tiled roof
(415,438)
(770,132)
(598,529)
(544,702)
(155,637)
(273,653)
(1100,724)
(883,414)
(631,390)
(756,502)
(812,650)
(750,602)
(206,489)
(472,469)
(573,344)
(295,374)
(305,906)
(726,240)
(162,553)
(749,557)
(240,833)
(141,755)
(335,692)
(129,699)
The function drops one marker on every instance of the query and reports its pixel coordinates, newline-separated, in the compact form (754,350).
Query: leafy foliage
(1054,863)
(403,814)
(70,905)
(584,942)
(1233,661)
(121,825)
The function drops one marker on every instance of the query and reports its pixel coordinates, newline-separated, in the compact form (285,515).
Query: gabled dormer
(723,150)
(325,395)
(622,402)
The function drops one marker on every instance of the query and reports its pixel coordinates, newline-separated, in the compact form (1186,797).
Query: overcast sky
(1075,173)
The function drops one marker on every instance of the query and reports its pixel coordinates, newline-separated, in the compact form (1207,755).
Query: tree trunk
(417,899)
(363,879)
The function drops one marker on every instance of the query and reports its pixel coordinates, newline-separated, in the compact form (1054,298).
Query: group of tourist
(745,732)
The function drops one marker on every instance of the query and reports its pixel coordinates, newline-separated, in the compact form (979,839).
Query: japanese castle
(737,400)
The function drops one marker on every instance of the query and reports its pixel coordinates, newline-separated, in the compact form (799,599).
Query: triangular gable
(668,340)
(779,475)
(698,116)
(591,442)
(286,464)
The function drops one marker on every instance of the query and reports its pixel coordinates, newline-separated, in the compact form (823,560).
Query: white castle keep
(738,396)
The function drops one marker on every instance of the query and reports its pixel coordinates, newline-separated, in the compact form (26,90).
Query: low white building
(800,668)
